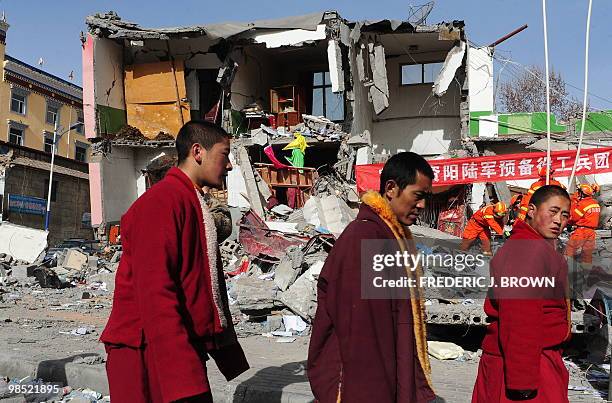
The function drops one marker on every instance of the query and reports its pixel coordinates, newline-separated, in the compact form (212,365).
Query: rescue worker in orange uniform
(535,186)
(585,218)
(515,208)
(479,226)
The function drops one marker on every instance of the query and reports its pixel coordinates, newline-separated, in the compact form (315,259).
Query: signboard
(27,204)
(497,168)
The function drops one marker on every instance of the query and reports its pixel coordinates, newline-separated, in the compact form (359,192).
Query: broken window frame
(18,134)
(19,106)
(323,86)
(401,66)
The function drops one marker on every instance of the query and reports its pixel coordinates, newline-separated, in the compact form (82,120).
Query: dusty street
(40,331)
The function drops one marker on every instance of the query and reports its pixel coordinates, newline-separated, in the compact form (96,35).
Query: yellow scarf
(404,238)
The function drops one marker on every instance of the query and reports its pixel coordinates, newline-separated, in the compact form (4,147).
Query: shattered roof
(110,25)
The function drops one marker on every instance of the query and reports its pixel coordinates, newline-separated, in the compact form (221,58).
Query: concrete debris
(453,61)
(294,323)
(301,297)
(379,86)
(253,295)
(444,350)
(282,210)
(329,212)
(22,243)
(322,126)
(74,260)
(289,268)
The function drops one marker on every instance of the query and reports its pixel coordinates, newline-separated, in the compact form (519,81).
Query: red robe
(168,310)
(362,349)
(521,349)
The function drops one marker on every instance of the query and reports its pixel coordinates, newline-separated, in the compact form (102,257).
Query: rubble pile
(272,274)
(61,268)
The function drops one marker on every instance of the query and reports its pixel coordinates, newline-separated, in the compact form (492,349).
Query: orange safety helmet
(500,209)
(586,189)
(542,172)
(515,199)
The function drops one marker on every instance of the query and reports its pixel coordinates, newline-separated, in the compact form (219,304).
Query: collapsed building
(357,91)
(306,99)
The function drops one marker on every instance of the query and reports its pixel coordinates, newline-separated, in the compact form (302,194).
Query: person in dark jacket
(365,349)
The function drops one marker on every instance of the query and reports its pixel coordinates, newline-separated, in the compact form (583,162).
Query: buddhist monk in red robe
(170,309)
(521,359)
(373,350)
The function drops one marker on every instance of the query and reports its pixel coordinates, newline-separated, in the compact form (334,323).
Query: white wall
(108,73)
(118,183)
(480,79)
(416,120)
(253,78)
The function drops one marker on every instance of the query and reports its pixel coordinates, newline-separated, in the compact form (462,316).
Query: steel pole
(51,175)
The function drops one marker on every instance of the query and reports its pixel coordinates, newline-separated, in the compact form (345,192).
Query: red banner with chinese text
(497,168)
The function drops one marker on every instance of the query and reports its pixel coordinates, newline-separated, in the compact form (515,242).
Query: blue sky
(50,29)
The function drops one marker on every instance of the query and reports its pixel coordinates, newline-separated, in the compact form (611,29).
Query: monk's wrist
(527,394)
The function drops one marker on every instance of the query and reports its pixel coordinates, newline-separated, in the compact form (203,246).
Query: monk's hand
(517,395)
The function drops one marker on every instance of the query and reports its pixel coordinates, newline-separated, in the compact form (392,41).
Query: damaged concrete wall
(108,89)
(261,69)
(416,120)
(480,84)
(119,183)
(362,108)
(254,77)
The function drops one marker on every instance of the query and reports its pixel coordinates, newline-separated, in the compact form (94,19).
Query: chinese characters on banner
(498,168)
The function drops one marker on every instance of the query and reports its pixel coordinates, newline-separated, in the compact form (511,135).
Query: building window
(49,142)
(16,135)
(425,73)
(80,129)
(53,190)
(80,152)
(324,101)
(52,113)
(18,102)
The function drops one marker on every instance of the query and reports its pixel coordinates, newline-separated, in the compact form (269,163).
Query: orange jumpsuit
(527,197)
(585,215)
(478,227)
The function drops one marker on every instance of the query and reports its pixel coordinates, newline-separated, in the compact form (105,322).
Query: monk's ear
(531,210)
(391,189)
(197,152)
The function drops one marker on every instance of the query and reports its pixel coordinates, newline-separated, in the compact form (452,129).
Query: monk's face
(408,203)
(214,164)
(550,217)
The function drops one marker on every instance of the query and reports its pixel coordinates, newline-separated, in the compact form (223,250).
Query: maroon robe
(363,349)
(166,317)
(522,346)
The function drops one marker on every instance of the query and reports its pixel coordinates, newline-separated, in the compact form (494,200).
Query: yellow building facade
(31,100)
